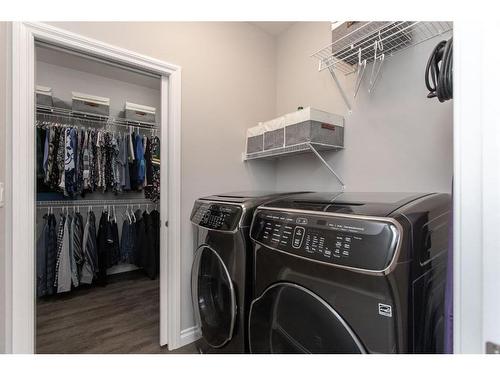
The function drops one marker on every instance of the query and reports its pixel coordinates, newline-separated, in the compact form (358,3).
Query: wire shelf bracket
(373,42)
(300,148)
(328,166)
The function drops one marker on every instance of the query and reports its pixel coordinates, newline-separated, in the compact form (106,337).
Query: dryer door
(288,318)
(214,300)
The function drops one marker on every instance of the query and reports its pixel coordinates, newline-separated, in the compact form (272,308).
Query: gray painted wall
(395,140)
(228,85)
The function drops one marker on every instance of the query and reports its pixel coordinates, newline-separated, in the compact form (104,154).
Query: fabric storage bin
(274,134)
(90,104)
(313,125)
(255,139)
(44,96)
(139,112)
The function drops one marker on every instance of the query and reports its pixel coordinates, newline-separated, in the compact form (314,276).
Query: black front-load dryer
(222,265)
(350,273)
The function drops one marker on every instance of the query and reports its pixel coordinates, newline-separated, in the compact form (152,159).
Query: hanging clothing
(152,191)
(69,163)
(108,165)
(122,164)
(77,259)
(153,268)
(51,255)
(40,143)
(115,163)
(128,253)
(63,266)
(41,257)
(94,160)
(140,235)
(139,162)
(149,163)
(114,251)
(90,263)
(101,160)
(86,156)
(79,161)
(104,247)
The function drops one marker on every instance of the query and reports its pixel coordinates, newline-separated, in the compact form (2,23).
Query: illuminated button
(345,253)
(301,220)
(347,246)
(348,239)
(298,237)
(327,253)
(338,244)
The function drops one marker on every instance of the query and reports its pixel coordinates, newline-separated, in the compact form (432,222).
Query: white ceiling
(273,28)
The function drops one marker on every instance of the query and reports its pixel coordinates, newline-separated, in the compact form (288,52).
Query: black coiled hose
(439,77)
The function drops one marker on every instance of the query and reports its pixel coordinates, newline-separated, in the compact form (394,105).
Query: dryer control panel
(219,216)
(365,244)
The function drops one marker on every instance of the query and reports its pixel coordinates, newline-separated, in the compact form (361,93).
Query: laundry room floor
(121,318)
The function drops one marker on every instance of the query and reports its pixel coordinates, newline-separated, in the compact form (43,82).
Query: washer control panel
(367,244)
(219,216)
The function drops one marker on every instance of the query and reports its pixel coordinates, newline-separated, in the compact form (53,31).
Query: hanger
(127,214)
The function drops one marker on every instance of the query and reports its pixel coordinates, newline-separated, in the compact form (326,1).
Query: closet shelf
(299,148)
(345,53)
(92,117)
(95,202)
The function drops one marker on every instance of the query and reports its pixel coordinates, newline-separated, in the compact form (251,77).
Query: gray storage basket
(90,104)
(255,143)
(44,99)
(314,131)
(274,139)
(135,115)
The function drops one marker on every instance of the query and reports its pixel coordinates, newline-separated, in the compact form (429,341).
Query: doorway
(23,207)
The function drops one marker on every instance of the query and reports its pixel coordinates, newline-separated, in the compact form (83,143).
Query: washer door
(214,300)
(288,318)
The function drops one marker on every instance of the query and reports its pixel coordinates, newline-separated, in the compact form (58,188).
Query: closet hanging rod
(96,203)
(97,119)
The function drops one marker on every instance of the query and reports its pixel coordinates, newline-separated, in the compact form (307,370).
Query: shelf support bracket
(341,89)
(316,152)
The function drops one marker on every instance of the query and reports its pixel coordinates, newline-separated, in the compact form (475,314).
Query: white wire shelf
(43,110)
(373,42)
(299,148)
(95,202)
(374,39)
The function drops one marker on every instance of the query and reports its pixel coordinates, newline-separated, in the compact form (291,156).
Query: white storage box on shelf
(90,104)
(255,139)
(44,96)
(274,134)
(139,112)
(313,125)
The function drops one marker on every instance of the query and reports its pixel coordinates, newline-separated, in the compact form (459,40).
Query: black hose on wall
(439,71)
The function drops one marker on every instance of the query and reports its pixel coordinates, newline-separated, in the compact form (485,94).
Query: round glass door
(288,318)
(214,301)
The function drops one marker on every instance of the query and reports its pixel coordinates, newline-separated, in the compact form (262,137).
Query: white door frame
(21,250)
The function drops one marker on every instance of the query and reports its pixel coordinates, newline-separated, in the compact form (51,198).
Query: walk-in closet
(98,212)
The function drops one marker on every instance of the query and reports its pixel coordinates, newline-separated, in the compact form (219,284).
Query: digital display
(365,244)
(217,216)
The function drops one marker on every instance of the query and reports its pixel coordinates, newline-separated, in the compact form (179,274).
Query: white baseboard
(189,335)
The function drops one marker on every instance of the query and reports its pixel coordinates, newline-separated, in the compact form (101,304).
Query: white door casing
(21,208)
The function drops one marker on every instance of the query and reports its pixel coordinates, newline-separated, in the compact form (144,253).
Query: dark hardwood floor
(122,317)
